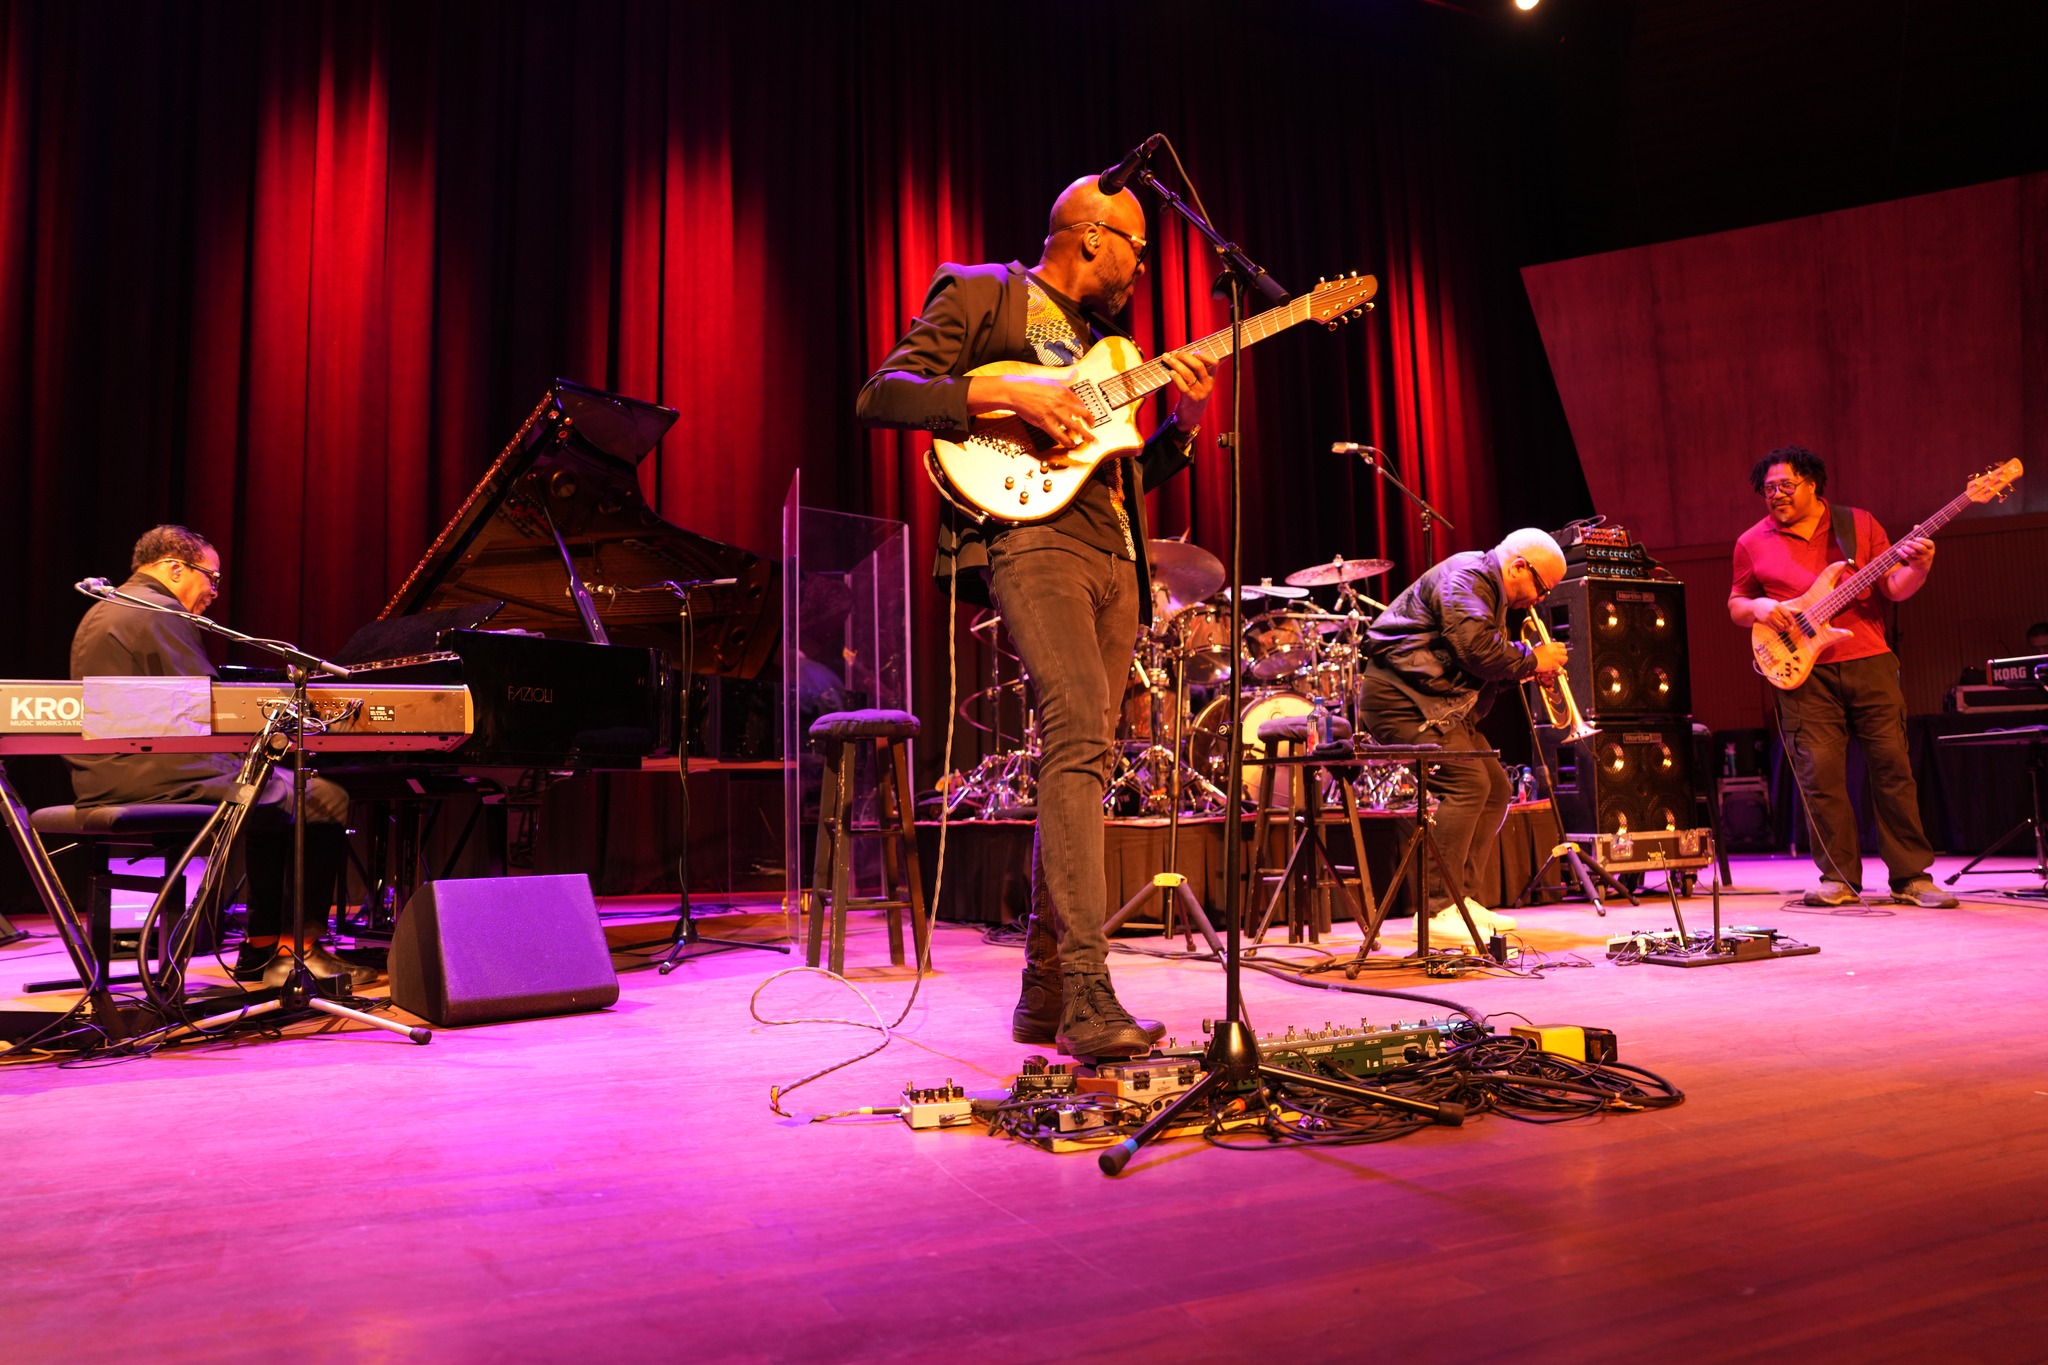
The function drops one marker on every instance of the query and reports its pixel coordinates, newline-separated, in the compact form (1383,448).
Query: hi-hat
(1338,570)
(1189,573)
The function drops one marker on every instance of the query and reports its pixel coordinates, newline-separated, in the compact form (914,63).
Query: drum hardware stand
(1232,1070)
(1171,884)
(685,935)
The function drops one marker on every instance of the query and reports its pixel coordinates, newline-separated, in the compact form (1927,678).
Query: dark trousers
(1857,700)
(1475,794)
(267,852)
(1072,613)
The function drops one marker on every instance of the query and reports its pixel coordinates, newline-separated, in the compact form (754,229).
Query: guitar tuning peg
(1331,325)
(1319,279)
(1354,274)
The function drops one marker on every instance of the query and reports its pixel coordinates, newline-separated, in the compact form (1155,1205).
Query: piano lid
(567,483)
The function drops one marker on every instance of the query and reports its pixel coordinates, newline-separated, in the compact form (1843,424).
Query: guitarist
(1072,590)
(1853,691)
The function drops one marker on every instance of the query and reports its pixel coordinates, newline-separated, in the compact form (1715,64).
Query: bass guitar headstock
(1995,482)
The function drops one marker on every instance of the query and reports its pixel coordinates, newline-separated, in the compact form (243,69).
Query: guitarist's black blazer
(973,315)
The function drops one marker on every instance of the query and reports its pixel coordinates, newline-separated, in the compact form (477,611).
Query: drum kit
(1176,734)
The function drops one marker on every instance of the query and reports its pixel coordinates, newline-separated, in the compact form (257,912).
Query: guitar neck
(1858,583)
(1140,380)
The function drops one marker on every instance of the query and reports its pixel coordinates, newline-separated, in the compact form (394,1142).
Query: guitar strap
(1845,529)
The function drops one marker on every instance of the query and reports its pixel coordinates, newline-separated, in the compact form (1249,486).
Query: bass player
(1853,691)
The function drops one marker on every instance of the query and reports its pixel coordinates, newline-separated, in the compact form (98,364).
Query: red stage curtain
(290,273)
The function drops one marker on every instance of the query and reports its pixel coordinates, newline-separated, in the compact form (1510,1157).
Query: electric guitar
(1785,657)
(1011,470)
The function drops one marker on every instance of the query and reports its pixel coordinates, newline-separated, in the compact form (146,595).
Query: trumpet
(1558,702)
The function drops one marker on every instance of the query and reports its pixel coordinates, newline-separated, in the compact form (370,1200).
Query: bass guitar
(1011,470)
(1786,657)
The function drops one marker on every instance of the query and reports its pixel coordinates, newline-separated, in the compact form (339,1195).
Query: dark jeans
(1474,794)
(1859,699)
(1072,613)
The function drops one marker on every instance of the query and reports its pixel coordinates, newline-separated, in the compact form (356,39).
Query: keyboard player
(181,568)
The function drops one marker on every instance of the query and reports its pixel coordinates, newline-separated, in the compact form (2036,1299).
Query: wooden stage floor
(1860,1173)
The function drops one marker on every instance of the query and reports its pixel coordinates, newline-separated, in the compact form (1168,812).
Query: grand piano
(557,596)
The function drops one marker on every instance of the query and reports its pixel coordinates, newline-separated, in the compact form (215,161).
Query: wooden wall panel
(1903,341)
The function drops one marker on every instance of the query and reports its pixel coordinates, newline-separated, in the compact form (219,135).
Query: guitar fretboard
(1139,380)
(1856,584)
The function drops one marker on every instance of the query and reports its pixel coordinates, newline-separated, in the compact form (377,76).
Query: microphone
(1364,452)
(93,587)
(1113,180)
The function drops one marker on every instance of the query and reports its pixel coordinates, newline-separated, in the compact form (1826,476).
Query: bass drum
(1214,741)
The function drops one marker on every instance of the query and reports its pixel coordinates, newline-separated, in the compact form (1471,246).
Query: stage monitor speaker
(1628,648)
(1635,775)
(477,951)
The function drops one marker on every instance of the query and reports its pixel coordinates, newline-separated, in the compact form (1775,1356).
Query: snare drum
(1214,741)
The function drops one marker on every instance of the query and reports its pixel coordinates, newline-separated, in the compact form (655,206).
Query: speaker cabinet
(494,948)
(1634,775)
(1628,649)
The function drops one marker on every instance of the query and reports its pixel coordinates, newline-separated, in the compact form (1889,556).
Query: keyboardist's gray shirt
(121,641)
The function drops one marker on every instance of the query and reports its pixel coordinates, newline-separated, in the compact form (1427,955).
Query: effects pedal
(941,1106)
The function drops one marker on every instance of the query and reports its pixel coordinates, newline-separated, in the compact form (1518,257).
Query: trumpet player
(1437,657)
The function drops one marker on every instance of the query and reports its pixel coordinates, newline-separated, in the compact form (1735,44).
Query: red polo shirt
(1771,562)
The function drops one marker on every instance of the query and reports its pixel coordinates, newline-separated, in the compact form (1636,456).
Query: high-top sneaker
(1040,1002)
(1093,1023)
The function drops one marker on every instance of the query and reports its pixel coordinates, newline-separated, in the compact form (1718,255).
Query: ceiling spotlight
(1526,5)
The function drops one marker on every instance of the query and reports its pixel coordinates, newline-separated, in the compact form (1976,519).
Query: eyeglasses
(212,575)
(1785,486)
(1542,588)
(1138,244)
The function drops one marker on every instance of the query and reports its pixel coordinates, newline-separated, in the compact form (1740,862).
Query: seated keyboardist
(180,568)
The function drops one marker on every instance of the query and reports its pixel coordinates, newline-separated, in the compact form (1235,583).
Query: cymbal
(1338,570)
(1255,592)
(1188,572)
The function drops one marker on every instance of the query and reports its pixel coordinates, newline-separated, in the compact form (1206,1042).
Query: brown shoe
(1093,1023)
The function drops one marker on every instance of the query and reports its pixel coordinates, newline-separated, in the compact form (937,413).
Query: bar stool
(153,829)
(1309,864)
(886,735)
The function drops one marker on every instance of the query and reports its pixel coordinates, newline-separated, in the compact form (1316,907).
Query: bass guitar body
(1009,469)
(1786,657)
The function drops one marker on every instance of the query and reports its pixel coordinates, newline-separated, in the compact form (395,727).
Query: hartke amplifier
(1628,648)
(1629,775)
(481,950)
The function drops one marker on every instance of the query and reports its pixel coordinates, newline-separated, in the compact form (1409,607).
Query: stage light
(1526,5)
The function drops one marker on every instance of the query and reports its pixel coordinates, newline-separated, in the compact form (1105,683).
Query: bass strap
(1845,529)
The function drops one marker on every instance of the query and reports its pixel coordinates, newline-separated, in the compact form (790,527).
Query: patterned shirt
(1054,331)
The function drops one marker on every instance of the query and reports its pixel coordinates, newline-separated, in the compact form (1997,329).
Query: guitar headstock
(1335,302)
(1995,483)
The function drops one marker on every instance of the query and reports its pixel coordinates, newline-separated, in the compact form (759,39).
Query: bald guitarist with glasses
(1072,587)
